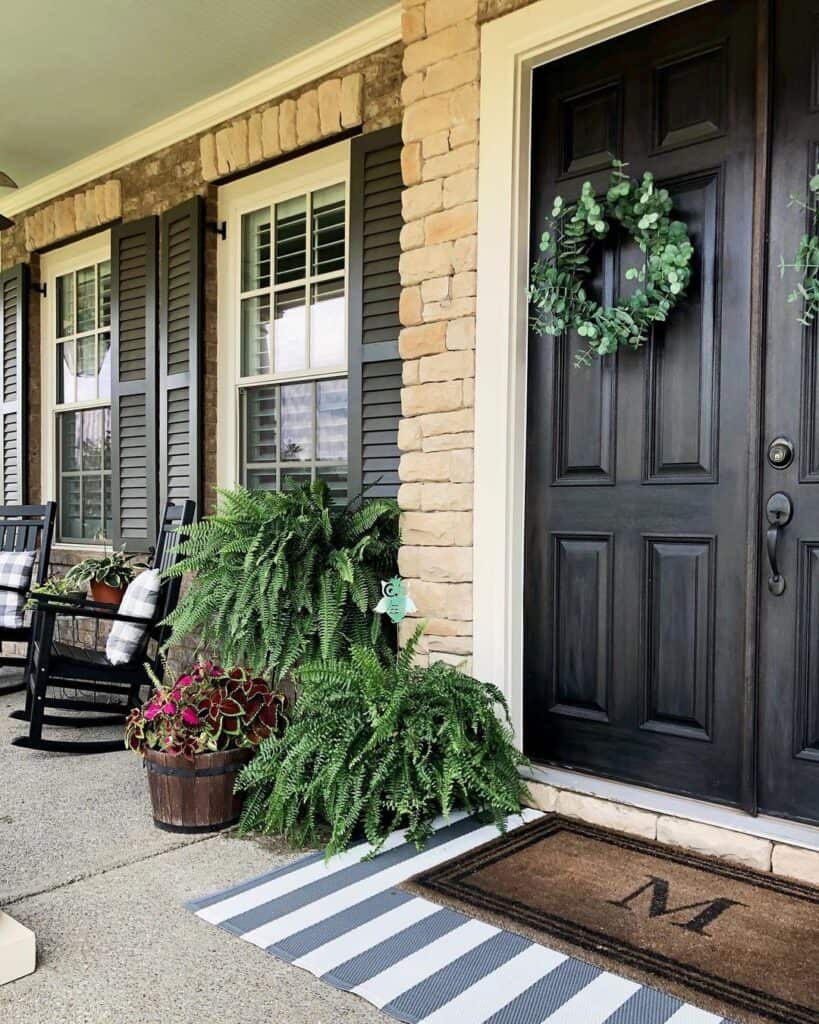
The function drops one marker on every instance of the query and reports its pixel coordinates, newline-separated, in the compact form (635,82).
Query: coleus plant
(208,709)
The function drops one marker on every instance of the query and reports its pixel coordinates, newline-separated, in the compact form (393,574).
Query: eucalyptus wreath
(557,289)
(806,259)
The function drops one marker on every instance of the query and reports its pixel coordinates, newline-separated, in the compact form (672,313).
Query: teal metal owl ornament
(395,601)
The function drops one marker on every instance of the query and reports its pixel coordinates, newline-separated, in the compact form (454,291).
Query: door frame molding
(511,48)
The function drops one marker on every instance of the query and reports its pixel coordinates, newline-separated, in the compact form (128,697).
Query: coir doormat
(739,942)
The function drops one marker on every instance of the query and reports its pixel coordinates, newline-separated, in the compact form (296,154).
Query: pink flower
(176,693)
(190,717)
(184,681)
(151,711)
(169,708)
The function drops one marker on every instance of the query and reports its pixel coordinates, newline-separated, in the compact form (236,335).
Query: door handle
(779,512)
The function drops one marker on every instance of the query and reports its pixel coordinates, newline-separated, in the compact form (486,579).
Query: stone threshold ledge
(737,847)
(18,950)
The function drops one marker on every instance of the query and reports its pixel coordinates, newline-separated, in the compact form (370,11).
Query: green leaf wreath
(557,289)
(806,260)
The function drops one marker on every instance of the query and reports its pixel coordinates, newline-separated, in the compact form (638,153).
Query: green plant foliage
(56,586)
(556,288)
(280,577)
(376,745)
(115,569)
(806,260)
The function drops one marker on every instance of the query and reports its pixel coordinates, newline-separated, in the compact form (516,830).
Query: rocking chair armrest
(50,604)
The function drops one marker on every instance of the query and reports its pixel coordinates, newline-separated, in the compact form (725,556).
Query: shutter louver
(375,290)
(180,351)
(13,323)
(133,383)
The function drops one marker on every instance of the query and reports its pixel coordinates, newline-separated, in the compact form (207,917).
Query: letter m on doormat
(709,910)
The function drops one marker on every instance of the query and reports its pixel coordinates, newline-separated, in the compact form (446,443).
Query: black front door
(789,622)
(640,632)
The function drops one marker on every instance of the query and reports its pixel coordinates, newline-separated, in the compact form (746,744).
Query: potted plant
(194,735)
(57,586)
(377,744)
(280,578)
(107,575)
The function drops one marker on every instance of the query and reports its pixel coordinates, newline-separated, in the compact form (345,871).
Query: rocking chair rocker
(24,528)
(55,666)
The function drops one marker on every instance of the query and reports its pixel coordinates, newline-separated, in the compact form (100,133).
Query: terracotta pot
(107,595)
(195,796)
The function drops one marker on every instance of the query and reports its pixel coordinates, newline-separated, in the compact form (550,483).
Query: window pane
(92,439)
(261,480)
(104,356)
(260,424)
(291,240)
(256,250)
(336,479)
(106,438)
(297,422)
(87,368)
(327,324)
(328,230)
(91,506)
(331,418)
(70,507)
(70,440)
(65,372)
(104,293)
(256,336)
(65,305)
(86,299)
(289,330)
(292,476)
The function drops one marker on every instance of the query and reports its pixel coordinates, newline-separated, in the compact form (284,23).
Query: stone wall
(438,275)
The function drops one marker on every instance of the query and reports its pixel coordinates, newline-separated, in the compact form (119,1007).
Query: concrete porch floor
(83,866)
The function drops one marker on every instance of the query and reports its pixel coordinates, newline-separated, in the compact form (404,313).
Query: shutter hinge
(220,227)
(41,289)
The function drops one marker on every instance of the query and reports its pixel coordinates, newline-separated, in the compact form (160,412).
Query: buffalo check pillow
(140,600)
(15,579)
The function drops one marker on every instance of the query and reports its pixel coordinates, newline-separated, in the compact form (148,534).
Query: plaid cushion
(140,600)
(15,579)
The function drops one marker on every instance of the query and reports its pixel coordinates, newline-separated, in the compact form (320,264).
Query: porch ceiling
(76,77)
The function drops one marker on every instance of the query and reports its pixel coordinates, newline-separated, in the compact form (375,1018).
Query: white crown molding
(353,43)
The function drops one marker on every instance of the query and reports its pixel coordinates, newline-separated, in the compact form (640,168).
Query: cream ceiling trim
(366,37)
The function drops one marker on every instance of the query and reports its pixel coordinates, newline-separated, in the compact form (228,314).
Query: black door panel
(637,467)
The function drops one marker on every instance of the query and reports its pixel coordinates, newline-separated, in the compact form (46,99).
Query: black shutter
(14,324)
(375,289)
(180,351)
(133,383)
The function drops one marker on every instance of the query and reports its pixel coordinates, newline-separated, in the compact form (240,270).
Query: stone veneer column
(437,342)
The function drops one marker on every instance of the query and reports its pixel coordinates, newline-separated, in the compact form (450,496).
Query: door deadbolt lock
(780,452)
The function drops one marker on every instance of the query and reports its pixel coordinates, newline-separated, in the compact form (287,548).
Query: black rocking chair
(55,666)
(24,528)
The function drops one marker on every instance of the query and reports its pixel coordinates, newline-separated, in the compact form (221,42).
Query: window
(288,325)
(78,368)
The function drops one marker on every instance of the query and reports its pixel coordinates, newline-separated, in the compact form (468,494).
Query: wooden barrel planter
(195,796)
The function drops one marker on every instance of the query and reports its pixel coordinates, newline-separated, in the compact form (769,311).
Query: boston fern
(379,744)
(282,577)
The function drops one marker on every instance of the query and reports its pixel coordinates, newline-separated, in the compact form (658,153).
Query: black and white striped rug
(347,923)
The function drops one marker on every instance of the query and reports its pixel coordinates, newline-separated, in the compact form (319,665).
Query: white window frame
(94,249)
(302,175)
